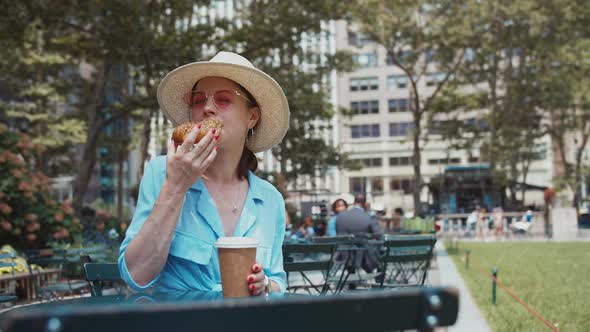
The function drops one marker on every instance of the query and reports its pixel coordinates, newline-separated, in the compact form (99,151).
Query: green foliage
(29,214)
(271,35)
(419,224)
(38,85)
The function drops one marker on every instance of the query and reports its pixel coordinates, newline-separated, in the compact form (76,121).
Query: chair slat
(307,266)
(102,272)
(307,248)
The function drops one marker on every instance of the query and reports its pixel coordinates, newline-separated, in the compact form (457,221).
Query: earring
(250,132)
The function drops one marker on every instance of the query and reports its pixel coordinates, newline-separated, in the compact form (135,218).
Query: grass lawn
(553,278)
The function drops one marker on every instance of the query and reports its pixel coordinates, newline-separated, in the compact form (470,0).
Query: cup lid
(236,242)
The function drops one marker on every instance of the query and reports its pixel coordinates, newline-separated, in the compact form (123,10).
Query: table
(372,310)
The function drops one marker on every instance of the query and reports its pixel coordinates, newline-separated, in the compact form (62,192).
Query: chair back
(307,257)
(339,239)
(406,259)
(98,273)
(420,309)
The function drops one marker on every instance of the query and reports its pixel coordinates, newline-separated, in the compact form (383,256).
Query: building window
(371,162)
(434,79)
(397,82)
(398,105)
(400,128)
(365,107)
(358,39)
(357,185)
(406,185)
(400,161)
(473,159)
(477,123)
(365,60)
(444,161)
(364,84)
(402,57)
(367,130)
(429,56)
(437,127)
(376,186)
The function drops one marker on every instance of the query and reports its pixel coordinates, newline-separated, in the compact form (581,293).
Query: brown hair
(248,161)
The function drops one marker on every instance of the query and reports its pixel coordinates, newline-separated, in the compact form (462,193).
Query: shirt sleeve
(148,193)
(276,272)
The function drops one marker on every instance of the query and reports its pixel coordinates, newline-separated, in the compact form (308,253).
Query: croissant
(184,129)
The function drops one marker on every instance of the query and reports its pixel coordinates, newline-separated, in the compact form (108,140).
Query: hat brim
(274,108)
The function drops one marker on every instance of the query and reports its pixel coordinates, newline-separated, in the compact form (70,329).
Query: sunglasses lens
(223,99)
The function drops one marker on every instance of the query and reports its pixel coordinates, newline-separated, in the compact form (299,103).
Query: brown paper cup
(236,257)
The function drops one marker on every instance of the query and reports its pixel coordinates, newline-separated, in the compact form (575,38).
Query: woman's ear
(254,117)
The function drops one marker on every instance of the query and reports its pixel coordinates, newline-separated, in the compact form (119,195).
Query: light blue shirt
(192,262)
(331,229)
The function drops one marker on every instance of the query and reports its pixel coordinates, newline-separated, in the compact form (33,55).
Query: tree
(421,38)
(122,44)
(270,34)
(36,86)
(564,84)
(525,70)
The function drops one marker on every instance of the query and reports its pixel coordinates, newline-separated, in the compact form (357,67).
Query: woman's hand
(186,163)
(256,280)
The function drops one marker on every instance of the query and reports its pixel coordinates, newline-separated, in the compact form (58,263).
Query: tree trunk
(95,125)
(525,172)
(417,155)
(120,184)
(146,132)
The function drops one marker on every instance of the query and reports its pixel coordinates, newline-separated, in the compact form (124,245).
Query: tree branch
(445,80)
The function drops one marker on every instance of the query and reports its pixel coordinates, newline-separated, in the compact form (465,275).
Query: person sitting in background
(338,206)
(320,229)
(398,219)
(288,226)
(305,230)
(358,222)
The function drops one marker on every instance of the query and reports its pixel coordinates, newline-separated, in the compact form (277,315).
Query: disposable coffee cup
(237,255)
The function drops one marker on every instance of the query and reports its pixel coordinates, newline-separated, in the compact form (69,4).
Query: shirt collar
(206,207)
(254,183)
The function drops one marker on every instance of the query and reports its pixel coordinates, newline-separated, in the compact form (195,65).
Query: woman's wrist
(173,190)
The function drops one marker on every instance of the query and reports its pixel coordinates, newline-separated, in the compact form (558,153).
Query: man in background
(357,221)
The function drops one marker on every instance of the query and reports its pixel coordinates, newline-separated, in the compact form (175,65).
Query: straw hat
(274,109)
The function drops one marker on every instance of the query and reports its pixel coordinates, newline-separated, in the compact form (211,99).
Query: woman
(338,206)
(200,192)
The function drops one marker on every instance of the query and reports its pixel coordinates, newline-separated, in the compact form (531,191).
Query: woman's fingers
(189,140)
(256,280)
(198,148)
(209,160)
(256,288)
(207,149)
(171,149)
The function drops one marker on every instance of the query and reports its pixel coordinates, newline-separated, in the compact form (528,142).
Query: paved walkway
(446,274)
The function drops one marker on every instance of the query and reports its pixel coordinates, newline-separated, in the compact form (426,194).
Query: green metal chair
(8,295)
(304,258)
(97,274)
(406,260)
(54,258)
